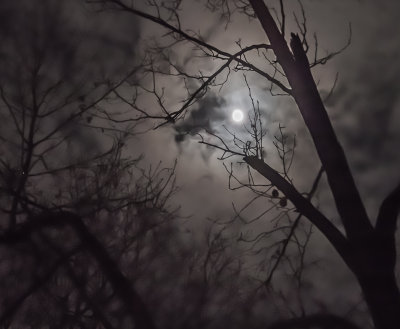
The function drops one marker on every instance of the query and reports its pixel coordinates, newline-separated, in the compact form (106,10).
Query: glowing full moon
(237,115)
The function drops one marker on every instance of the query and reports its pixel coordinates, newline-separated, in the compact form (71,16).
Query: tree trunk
(369,252)
(372,259)
(382,296)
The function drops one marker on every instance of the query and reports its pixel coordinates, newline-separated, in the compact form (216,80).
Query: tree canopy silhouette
(90,238)
(369,251)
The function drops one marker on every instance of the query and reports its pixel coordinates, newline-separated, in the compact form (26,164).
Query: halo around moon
(237,115)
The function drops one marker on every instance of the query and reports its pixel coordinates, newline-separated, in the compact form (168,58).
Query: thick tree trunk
(372,259)
(369,252)
(295,64)
(382,296)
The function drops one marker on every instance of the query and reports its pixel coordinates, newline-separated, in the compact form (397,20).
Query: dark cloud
(365,108)
(365,105)
(208,113)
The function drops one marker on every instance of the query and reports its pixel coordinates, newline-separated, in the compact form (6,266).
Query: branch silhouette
(123,288)
(303,205)
(306,95)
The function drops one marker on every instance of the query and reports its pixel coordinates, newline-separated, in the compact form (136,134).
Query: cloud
(365,108)
(206,116)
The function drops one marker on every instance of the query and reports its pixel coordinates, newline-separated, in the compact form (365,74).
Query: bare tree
(369,251)
(89,238)
(65,177)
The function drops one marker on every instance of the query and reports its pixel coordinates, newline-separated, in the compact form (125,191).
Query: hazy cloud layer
(206,114)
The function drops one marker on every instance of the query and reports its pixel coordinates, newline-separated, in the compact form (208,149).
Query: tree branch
(308,100)
(185,36)
(110,268)
(388,212)
(293,228)
(304,206)
(13,307)
(275,37)
(385,228)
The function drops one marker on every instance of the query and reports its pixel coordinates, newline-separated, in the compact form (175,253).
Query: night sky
(364,106)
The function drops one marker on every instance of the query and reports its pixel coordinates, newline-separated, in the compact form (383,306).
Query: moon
(237,115)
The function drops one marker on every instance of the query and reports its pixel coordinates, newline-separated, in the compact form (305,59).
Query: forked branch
(295,64)
(304,206)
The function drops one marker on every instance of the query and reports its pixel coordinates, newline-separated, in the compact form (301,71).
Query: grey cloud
(368,101)
(365,108)
(208,113)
